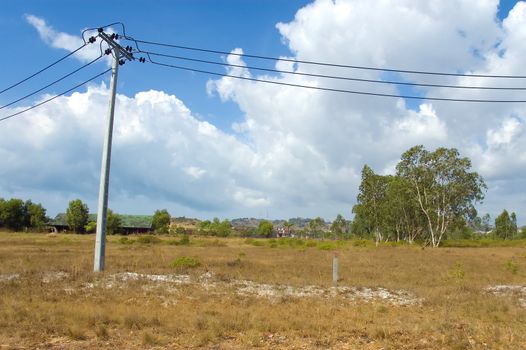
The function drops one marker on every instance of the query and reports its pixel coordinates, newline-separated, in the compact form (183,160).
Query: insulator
(100,30)
(142,60)
(107,51)
(112,36)
(121,62)
(92,40)
(116,36)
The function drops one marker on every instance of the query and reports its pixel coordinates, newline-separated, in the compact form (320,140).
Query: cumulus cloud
(297,151)
(65,41)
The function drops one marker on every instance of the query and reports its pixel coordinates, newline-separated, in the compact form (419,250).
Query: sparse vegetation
(186,261)
(75,308)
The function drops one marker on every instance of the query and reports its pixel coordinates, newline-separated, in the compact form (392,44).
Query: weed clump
(511,267)
(457,272)
(148,239)
(125,240)
(185,262)
(311,244)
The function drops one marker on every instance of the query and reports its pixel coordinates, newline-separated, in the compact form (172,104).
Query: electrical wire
(106,26)
(323,63)
(336,90)
(43,69)
(331,76)
(56,96)
(50,84)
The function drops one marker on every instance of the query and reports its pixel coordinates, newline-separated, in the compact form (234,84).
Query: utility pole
(102,209)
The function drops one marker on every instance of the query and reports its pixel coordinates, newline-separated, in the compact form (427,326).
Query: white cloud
(297,151)
(66,41)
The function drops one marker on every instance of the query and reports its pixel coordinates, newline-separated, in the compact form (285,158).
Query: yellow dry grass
(49,298)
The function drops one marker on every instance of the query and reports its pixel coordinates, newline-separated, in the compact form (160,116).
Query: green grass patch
(185,261)
(148,239)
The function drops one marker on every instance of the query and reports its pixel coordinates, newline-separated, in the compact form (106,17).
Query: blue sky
(204,23)
(208,147)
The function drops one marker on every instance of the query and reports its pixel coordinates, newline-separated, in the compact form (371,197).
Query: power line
(332,76)
(54,97)
(324,63)
(43,69)
(104,27)
(336,90)
(50,84)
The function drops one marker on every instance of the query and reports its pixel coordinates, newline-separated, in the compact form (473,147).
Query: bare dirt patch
(514,291)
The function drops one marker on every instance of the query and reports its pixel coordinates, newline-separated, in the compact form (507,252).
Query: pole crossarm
(110,40)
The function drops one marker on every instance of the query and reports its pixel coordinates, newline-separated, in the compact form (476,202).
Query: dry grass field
(238,294)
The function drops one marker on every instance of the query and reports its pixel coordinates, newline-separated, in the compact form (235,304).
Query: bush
(185,240)
(327,246)
(360,243)
(254,242)
(311,244)
(512,267)
(185,261)
(125,240)
(148,239)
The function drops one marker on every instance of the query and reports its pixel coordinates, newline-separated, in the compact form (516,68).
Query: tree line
(431,197)
(18,215)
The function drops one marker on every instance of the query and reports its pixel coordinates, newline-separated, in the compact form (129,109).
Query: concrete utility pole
(102,210)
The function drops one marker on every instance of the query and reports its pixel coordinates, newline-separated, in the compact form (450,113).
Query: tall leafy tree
(113,222)
(265,228)
(401,217)
(486,223)
(161,221)
(506,225)
(13,214)
(316,226)
(2,202)
(35,215)
(371,198)
(442,185)
(288,225)
(77,215)
(339,226)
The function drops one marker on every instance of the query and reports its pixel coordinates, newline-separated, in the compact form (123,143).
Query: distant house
(130,224)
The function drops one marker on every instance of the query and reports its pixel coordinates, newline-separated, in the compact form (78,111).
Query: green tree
(360,226)
(316,227)
(77,215)
(506,225)
(36,215)
(339,226)
(161,221)
(288,227)
(371,197)
(203,227)
(442,186)
(265,228)
(90,227)
(2,202)
(113,222)
(13,214)
(224,229)
(401,217)
(486,223)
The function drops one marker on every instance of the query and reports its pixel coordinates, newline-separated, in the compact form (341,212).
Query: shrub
(457,271)
(511,267)
(148,239)
(311,244)
(360,243)
(185,261)
(185,240)
(126,240)
(327,246)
